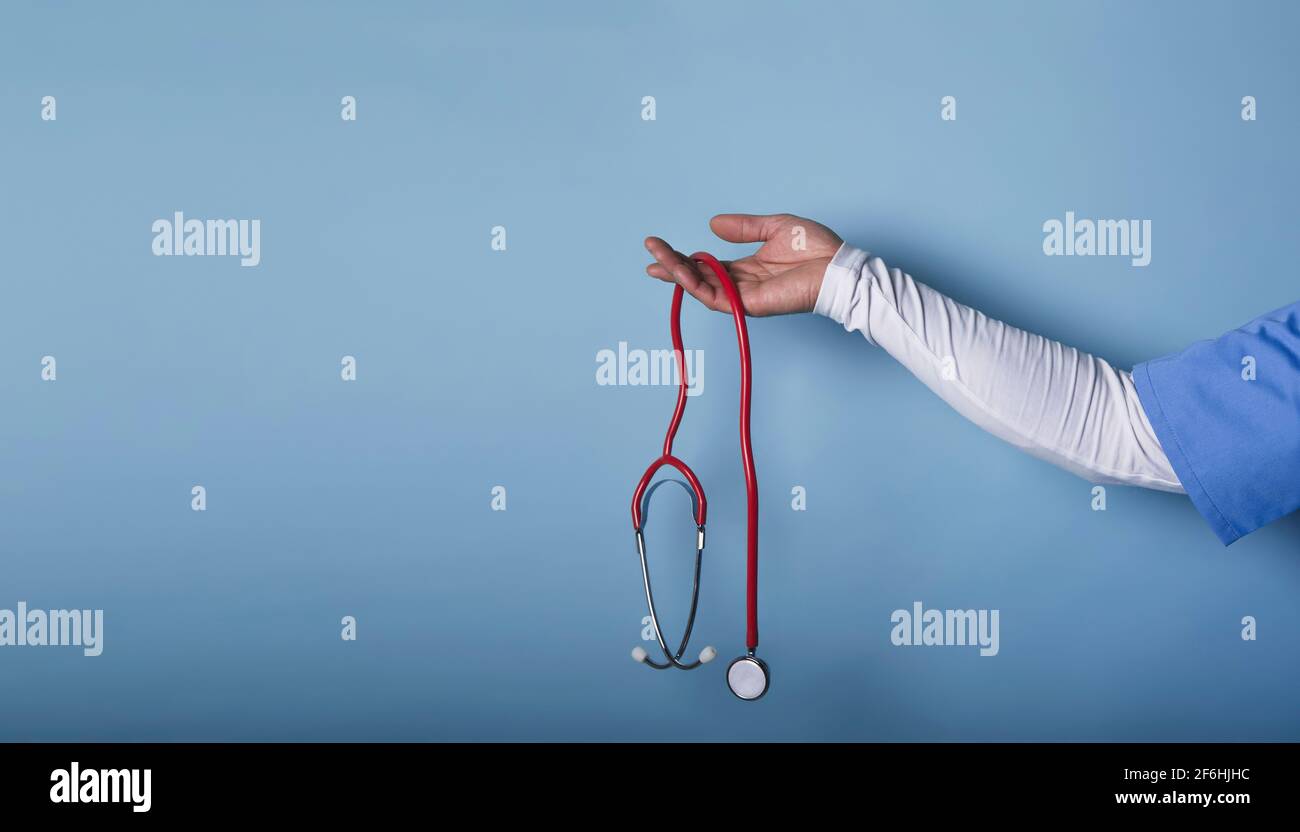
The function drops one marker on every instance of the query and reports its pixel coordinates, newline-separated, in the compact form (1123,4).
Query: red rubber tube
(746,447)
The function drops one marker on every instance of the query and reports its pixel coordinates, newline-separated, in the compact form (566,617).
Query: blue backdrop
(477,368)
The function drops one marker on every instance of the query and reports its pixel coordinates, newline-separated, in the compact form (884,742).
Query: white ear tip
(638,654)
(708,654)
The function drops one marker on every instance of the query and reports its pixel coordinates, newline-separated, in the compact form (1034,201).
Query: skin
(775,280)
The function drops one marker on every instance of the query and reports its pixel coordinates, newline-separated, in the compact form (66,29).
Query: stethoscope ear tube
(672,658)
(751,675)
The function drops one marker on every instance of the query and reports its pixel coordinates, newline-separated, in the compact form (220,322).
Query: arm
(1052,401)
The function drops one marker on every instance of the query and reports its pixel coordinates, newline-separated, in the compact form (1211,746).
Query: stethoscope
(748,675)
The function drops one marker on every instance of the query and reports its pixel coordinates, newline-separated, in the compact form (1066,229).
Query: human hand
(782,277)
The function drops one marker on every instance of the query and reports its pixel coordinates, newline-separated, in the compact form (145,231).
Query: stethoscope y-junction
(748,675)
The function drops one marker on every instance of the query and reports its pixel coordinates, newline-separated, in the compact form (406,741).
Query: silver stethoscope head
(748,677)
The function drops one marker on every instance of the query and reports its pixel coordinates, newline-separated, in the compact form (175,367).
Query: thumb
(746,228)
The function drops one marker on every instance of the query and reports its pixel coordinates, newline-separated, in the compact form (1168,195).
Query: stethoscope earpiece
(708,654)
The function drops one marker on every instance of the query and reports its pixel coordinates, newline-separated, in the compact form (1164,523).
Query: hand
(782,277)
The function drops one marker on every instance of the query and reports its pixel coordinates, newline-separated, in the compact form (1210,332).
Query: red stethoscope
(748,676)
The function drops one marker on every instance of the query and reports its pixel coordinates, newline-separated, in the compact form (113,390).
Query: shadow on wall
(981,284)
(1289,528)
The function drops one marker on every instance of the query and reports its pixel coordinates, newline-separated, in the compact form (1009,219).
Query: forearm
(1059,404)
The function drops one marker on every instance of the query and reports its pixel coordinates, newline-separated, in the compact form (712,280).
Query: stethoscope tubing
(746,448)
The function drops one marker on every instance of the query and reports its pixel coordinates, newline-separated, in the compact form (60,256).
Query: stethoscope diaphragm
(748,678)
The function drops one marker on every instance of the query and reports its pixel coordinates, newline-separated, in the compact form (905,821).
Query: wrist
(814,287)
(838,281)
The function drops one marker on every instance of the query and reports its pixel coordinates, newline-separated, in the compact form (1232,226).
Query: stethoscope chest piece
(748,678)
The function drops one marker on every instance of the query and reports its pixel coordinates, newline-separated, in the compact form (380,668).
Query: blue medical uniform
(1227,412)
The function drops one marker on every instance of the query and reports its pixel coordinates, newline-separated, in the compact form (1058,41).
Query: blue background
(476,368)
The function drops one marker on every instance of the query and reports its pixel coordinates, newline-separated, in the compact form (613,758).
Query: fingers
(659,272)
(747,228)
(678,267)
(675,267)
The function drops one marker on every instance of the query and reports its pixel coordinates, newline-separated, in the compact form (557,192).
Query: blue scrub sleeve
(1227,413)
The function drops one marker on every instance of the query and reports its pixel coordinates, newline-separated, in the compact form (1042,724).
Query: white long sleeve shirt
(1052,401)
